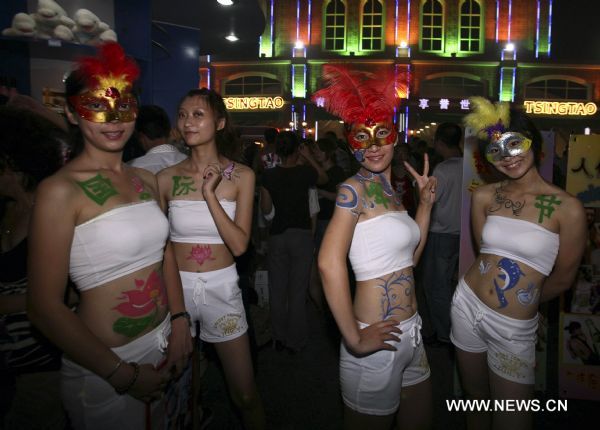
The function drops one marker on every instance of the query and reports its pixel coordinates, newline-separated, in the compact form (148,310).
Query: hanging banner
(579,361)
(583,169)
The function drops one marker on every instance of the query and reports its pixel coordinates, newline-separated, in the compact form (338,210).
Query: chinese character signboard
(583,169)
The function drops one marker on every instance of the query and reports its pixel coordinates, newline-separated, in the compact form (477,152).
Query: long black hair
(30,145)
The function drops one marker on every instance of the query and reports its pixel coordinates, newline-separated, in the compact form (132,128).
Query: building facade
(444,51)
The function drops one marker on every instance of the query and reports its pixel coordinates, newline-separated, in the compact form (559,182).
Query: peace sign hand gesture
(426,184)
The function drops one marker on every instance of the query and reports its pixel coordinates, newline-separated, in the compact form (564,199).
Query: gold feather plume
(488,119)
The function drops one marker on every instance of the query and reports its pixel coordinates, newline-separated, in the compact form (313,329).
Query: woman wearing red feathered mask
(98,221)
(382,357)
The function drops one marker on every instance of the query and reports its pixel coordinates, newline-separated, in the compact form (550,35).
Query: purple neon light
(272,25)
(509,17)
(497,18)
(396,24)
(309,19)
(406,124)
(537,31)
(408,25)
(512,90)
(549,27)
(297,19)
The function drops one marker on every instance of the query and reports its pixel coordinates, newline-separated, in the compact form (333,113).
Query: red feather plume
(358,96)
(111,62)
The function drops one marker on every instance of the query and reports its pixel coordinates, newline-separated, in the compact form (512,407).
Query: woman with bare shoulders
(382,357)
(99,221)
(531,235)
(210,200)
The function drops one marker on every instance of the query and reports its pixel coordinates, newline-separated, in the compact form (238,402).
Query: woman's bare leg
(237,365)
(473,371)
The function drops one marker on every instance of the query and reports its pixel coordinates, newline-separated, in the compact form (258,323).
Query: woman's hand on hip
(373,338)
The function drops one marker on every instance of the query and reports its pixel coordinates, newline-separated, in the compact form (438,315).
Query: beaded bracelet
(111,374)
(182,314)
(136,373)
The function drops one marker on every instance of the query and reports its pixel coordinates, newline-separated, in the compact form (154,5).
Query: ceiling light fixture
(232,37)
(225,2)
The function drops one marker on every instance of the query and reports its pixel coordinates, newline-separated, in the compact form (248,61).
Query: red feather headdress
(357,96)
(111,68)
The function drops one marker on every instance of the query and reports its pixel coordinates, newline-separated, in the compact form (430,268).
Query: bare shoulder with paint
(349,195)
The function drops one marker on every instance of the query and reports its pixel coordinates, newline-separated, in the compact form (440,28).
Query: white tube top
(116,243)
(190,221)
(520,240)
(383,245)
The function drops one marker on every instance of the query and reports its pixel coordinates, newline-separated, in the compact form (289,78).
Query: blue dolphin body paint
(511,274)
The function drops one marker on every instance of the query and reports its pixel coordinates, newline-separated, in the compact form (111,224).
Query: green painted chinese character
(546,206)
(182,185)
(376,190)
(98,188)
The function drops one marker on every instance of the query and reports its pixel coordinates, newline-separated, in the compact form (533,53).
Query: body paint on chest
(98,188)
(546,206)
(138,186)
(182,185)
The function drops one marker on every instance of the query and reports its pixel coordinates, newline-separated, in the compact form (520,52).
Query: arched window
(470,27)
(452,85)
(335,26)
(371,34)
(556,88)
(252,85)
(432,26)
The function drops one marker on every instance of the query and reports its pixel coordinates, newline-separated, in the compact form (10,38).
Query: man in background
(153,128)
(440,257)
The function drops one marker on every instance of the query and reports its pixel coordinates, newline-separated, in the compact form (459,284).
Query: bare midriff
(127,308)
(200,258)
(388,296)
(519,284)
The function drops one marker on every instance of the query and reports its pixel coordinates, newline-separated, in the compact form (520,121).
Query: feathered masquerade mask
(365,101)
(109,78)
(491,122)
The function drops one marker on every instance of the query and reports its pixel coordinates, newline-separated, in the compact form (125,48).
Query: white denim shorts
(215,300)
(93,404)
(509,342)
(372,384)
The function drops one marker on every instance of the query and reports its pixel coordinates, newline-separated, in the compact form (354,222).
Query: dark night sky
(576,31)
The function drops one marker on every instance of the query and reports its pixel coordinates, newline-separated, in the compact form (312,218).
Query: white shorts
(509,342)
(372,384)
(215,300)
(92,403)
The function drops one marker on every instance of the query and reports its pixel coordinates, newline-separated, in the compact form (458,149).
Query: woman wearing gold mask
(98,221)
(382,355)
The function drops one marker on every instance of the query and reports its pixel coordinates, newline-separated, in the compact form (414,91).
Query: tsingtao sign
(536,107)
(253,103)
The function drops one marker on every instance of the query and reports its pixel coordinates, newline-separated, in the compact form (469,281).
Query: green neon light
(298,81)
(506,84)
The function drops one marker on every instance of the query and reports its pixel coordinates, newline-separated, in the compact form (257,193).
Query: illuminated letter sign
(253,103)
(560,108)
